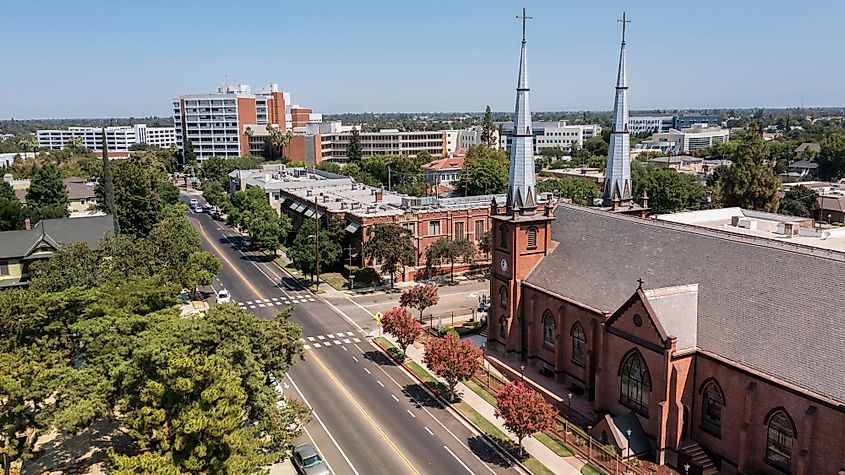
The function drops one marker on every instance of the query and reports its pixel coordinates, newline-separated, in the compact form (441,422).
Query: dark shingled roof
(773,307)
(89,229)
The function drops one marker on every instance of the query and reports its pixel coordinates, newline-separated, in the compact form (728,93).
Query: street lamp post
(317,243)
(686,469)
(522,372)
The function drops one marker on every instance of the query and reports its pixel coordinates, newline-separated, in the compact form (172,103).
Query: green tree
(354,150)
(667,189)
(392,245)
(832,157)
(11,215)
(488,128)
(137,201)
(578,190)
(330,167)
(596,146)
(105,186)
(450,250)
(485,171)
(214,169)
(251,212)
(751,182)
(800,201)
(303,249)
(47,195)
(189,157)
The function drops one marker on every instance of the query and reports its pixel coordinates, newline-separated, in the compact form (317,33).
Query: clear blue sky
(382,56)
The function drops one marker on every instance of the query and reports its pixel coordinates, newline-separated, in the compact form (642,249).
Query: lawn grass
(534,466)
(335,279)
(557,446)
(485,393)
(590,469)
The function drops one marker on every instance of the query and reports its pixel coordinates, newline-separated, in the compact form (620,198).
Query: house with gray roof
(19,249)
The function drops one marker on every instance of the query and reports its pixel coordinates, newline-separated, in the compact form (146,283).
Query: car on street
(223,296)
(215,214)
(194,202)
(198,209)
(308,461)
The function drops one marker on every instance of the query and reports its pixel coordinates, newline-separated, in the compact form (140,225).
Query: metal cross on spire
(524,17)
(624,22)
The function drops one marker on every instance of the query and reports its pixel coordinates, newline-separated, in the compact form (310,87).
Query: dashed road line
(411,413)
(459,460)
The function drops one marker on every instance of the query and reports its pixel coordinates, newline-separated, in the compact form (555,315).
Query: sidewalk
(562,465)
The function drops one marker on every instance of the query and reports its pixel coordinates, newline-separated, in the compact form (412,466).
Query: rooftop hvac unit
(356,205)
(308,192)
(354,186)
(747,223)
(371,210)
(342,205)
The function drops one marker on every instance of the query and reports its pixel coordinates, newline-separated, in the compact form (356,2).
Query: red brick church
(730,345)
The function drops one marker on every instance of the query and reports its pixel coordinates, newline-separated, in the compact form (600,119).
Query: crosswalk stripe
(310,338)
(321,337)
(306,347)
(311,300)
(350,334)
(316,345)
(249,302)
(275,299)
(252,306)
(261,305)
(330,335)
(266,300)
(346,340)
(327,343)
(356,340)
(337,342)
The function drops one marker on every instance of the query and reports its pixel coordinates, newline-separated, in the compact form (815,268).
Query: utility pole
(389,178)
(317,243)
(351,274)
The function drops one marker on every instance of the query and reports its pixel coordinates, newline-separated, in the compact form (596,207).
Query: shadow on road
(379,358)
(420,397)
(481,447)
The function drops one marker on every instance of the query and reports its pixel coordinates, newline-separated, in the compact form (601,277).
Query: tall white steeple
(617,182)
(521,180)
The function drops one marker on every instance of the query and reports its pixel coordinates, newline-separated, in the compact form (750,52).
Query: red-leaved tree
(420,297)
(524,410)
(402,325)
(452,359)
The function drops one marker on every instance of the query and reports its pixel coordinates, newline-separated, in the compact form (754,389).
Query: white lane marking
(249,302)
(252,306)
(459,460)
(330,335)
(266,300)
(394,398)
(428,430)
(327,343)
(415,400)
(336,342)
(345,317)
(311,300)
(346,340)
(354,358)
(316,345)
(411,413)
(367,370)
(359,306)
(310,338)
(356,340)
(306,347)
(317,418)
(350,334)
(344,348)
(380,383)
(321,337)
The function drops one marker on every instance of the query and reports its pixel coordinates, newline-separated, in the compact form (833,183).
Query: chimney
(27,224)
(379,195)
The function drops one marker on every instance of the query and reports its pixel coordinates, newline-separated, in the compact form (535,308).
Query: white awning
(353,226)
(309,212)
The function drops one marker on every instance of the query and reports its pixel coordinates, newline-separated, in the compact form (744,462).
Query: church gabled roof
(768,305)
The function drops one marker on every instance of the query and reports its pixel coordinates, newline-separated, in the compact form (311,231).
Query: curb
(448,405)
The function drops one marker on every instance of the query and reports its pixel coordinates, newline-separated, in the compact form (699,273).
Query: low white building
(687,140)
(464,138)
(118,138)
(555,134)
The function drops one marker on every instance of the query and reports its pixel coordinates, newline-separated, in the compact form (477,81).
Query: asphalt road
(370,417)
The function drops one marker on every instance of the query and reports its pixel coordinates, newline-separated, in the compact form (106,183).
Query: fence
(569,428)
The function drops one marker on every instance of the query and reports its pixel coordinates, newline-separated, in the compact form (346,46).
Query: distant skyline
(437,56)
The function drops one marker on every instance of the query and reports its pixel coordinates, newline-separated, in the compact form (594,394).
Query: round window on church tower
(638,320)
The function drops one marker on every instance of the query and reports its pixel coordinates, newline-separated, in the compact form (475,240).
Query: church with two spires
(691,346)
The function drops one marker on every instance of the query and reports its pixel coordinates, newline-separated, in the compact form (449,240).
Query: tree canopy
(47,195)
(303,251)
(450,250)
(800,201)
(391,245)
(751,181)
(668,190)
(578,190)
(485,171)
(251,212)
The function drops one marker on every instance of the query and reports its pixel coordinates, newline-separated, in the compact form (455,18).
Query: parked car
(308,461)
(223,296)
(198,209)
(194,202)
(215,214)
